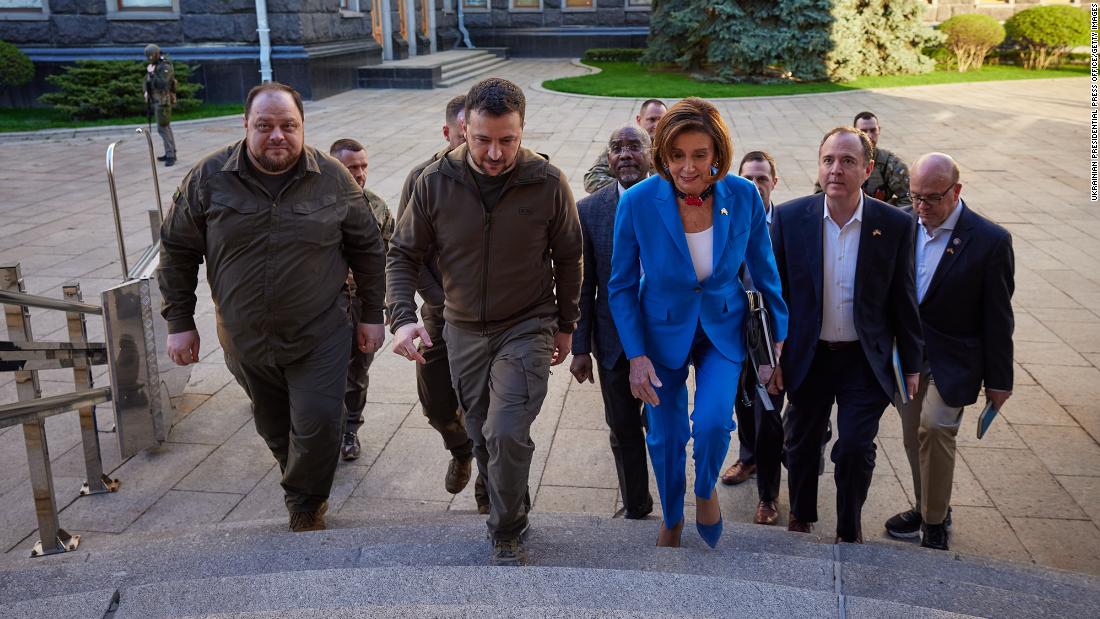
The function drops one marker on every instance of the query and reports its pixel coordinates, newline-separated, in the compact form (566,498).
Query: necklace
(694,200)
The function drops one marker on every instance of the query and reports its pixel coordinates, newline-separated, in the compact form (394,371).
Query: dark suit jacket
(597,213)
(885,306)
(967,310)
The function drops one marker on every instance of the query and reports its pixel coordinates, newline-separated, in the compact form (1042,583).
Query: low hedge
(614,54)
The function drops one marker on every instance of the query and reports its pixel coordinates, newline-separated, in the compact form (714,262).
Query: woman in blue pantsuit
(676,298)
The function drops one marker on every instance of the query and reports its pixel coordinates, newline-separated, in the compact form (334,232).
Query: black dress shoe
(905,525)
(162,158)
(935,537)
(169,163)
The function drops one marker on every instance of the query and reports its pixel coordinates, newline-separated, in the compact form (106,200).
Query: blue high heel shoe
(710,532)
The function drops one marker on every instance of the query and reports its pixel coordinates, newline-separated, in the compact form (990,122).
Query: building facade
(317,45)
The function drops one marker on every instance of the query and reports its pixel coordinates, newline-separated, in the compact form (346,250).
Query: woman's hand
(643,380)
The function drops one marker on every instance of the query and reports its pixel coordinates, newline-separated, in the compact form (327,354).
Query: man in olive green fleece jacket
(504,226)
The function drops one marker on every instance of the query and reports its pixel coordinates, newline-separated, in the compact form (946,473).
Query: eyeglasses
(618,149)
(931,199)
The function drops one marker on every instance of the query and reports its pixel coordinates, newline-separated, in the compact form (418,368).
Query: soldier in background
(160,95)
(889,180)
(354,157)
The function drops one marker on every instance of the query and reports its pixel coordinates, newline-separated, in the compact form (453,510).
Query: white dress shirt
(840,250)
(930,248)
(701,246)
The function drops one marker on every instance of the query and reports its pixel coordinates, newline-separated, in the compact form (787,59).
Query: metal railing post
(52,538)
(153,164)
(117,211)
(96,482)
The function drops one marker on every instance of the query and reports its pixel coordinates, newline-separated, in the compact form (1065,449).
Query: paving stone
(1065,544)
(1064,451)
(18,515)
(965,489)
(409,468)
(1069,385)
(1088,417)
(1032,405)
(1047,353)
(209,378)
(380,422)
(216,419)
(583,411)
(145,479)
(234,467)
(1019,484)
(581,458)
(179,508)
(1085,491)
(568,499)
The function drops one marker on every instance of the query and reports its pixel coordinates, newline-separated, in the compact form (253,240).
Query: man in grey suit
(628,161)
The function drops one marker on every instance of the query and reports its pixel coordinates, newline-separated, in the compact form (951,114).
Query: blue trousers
(710,425)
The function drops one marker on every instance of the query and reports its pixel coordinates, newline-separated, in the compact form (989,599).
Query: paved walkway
(1029,491)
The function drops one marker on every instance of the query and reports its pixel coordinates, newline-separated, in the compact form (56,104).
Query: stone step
(558,591)
(747,554)
(465,61)
(430,71)
(471,72)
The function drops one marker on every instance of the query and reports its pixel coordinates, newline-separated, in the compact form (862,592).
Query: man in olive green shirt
(354,157)
(278,225)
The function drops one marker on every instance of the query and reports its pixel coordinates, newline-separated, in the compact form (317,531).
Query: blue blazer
(656,300)
(885,304)
(966,313)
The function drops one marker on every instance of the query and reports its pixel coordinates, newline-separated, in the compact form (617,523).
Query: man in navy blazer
(846,263)
(628,162)
(965,279)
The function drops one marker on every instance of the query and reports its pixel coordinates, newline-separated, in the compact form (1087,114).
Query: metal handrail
(10,297)
(117,212)
(153,164)
(27,411)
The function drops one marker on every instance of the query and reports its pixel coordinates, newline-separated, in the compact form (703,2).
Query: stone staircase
(435,564)
(439,70)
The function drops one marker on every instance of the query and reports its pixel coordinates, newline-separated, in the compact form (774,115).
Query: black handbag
(759,343)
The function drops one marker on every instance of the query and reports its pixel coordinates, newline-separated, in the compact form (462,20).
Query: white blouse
(701,246)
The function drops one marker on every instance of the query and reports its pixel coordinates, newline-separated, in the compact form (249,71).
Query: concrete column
(387,30)
(410,24)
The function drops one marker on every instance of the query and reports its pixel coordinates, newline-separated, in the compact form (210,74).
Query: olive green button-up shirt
(276,264)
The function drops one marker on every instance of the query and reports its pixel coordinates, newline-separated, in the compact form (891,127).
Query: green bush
(838,40)
(15,68)
(614,54)
(970,37)
(92,89)
(1045,34)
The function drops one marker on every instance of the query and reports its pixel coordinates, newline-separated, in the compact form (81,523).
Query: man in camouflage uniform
(160,94)
(354,157)
(599,175)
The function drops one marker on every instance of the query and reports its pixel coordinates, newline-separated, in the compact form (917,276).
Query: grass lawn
(628,79)
(33,119)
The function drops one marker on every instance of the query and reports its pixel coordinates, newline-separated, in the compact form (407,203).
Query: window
(475,5)
(143,9)
(638,5)
(526,5)
(24,9)
(579,5)
(144,5)
(351,6)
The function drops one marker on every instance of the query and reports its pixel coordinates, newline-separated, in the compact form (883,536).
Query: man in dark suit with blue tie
(628,161)
(965,279)
(846,263)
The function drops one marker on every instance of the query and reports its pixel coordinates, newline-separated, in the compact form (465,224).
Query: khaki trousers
(929,426)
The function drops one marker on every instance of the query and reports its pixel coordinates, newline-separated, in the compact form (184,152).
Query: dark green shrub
(15,68)
(1045,34)
(838,40)
(970,37)
(614,54)
(92,89)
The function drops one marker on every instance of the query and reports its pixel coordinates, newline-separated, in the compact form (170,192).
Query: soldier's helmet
(152,52)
